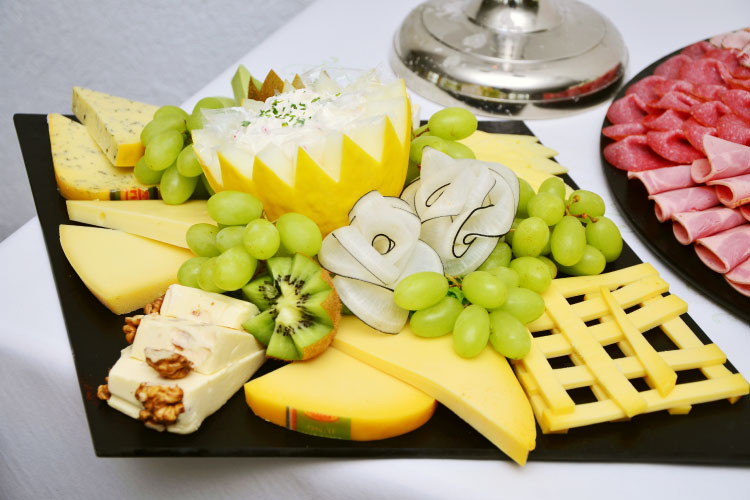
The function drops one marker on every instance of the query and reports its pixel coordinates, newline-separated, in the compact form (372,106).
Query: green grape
(547,207)
(437,319)
(145,174)
(170,110)
(526,192)
(551,267)
(298,233)
(261,239)
(451,148)
(200,192)
(159,125)
(506,275)
(209,103)
(206,185)
(420,290)
(592,262)
(553,185)
(471,331)
(234,268)
(508,335)
(484,289)
(585,204)
(234,208)
(201,239)
(605,236)
(194,121)
(207,274)
(457,150)
(532,273)
(226,102)
(500,257)
(548,247)
(163,149)
(568,241)
(229,237)
(187,162)
(452,124)
(188,273)
(509,236)
(175,188)
(524,304)
(411,173)
(530,238)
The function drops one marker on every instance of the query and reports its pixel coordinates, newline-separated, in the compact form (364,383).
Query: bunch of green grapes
(492,304)
(228,253)
(441,132)
(169,159)
(571,235)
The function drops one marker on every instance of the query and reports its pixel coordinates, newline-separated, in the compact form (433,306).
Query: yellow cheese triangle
(115,123)
(125,272)
(334,395)
(483,390)
(150,218)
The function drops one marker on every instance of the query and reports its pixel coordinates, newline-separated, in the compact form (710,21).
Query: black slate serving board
(713,433)
(632,198)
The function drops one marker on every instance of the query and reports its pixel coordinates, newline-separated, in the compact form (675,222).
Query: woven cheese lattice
(572,342)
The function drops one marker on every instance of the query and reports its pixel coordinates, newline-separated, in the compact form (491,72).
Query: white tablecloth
(45,447)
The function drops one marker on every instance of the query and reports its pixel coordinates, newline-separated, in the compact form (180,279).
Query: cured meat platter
(662,120)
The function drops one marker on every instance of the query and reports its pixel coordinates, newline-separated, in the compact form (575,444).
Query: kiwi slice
(300,308)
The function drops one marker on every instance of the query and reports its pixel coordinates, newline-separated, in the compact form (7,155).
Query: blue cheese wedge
(205,307)
(115,123)
(177,406)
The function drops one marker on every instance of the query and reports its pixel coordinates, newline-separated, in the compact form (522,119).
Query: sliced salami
(738,101)
(628,109)
(645,88)
(673,146)
(666,120)
(666,86)
(633,153)
(697,49)
(671,67)
(734,129)
(739,84)
(683,200)
(622,130)
(708,113)
(676,100)
(664,179)
(723,251)
(732,191)
(694,133)
(689,226)
(710,71)
(708,91)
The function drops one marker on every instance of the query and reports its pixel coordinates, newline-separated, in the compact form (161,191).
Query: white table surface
(45,447)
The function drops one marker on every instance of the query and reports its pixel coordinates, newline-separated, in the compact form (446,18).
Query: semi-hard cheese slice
(334,395)
(208,347)
(115,123)
(150,218)
(483,390)
(202,394)
(122,270)
(206,307)
(83,172)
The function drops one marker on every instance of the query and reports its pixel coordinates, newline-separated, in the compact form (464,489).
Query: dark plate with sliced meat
(658,120)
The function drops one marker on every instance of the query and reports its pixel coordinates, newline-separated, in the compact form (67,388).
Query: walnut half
(162,405)
(130,327)
(102,392)
(168,364)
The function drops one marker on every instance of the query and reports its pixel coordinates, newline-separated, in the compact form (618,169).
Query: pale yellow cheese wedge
(334,395)
(483,390)
(115,123)
(150,218)
(124,271)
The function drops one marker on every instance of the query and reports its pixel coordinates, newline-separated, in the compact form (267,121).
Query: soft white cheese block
(208,347)
(205,307)
(203,394)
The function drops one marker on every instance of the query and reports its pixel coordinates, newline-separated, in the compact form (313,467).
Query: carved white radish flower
(464,207)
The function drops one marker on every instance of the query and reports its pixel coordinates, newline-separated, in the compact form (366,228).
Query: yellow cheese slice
(83,172)
(125,272)
(115,123)
(150,218)
(334,395)
(483,390)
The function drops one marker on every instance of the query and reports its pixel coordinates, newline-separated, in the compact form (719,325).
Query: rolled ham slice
(689,226)
(724,251)
(745,211)
(739,278)
(664,179)
(683,200)
(725,159)
(733,191)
